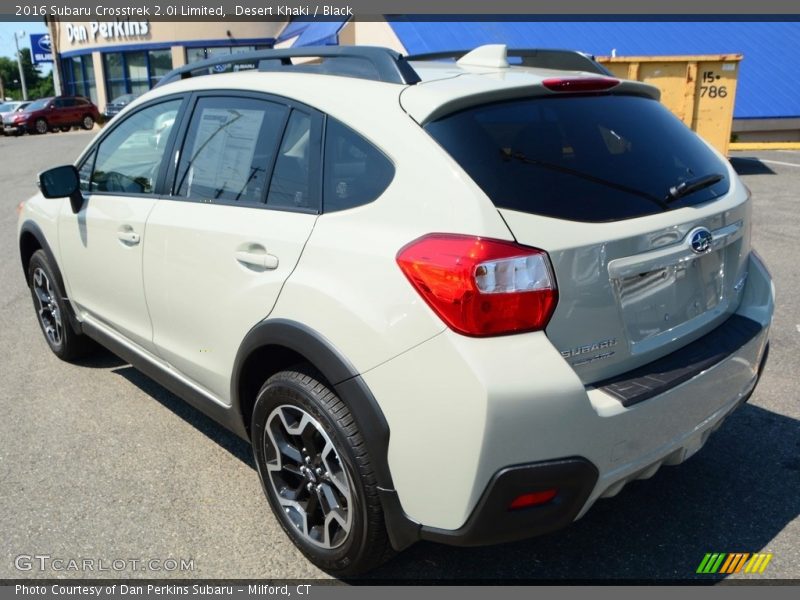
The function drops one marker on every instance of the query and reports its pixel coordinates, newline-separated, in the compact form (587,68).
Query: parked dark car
(117,104)
(51,114)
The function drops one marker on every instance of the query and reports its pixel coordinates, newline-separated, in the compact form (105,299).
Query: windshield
(7,107)
(582,158)
(38,104)
(124,99)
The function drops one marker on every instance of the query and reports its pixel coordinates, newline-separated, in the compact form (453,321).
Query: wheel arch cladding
(28,244)
(32,239)
(274,345)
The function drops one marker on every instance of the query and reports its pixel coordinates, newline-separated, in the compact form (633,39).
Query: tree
(38,86)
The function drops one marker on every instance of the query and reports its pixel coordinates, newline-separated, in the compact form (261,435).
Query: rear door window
(230,149)
(290,186)
(584,158)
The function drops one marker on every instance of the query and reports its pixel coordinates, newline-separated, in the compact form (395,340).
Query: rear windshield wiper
(509,153)
(684,188)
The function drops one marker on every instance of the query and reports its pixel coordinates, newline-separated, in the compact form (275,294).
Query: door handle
(128,236)
(260,260)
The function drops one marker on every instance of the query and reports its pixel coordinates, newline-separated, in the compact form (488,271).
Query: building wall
(105,59)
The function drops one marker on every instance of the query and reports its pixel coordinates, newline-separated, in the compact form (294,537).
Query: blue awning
(313,33)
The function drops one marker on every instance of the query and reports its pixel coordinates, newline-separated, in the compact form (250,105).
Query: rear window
(582,158)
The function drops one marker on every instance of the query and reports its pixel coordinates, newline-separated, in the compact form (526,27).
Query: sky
(7,37)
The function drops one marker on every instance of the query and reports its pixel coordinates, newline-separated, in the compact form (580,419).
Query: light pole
(19,34)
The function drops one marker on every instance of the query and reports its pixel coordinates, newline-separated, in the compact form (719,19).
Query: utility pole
(52,28)
(19,64)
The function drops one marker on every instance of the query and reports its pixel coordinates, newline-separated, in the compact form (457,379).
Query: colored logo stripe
(725,563)
(734,563)
(711,563)
(758,563)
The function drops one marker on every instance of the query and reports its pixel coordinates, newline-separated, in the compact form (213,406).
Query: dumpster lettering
(709,87)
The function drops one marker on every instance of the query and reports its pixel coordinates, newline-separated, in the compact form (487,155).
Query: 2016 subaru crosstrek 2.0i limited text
(451,300)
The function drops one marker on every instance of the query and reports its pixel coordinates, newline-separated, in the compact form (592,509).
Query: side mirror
(62,182)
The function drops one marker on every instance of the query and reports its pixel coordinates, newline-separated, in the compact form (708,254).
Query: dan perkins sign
(41,48)
(107,30)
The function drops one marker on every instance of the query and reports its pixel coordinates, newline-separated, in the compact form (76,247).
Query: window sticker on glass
(223,150)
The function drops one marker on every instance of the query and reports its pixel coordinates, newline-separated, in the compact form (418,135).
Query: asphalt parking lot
(97,461)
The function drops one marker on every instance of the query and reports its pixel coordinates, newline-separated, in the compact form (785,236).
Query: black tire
(51,311)
(65,128)
(302,390)
(41,126)
(87,122)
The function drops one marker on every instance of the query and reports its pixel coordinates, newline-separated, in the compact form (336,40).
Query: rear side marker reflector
(532,499)
(580,84)
(480,286)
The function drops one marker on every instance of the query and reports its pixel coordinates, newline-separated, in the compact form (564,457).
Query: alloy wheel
(49,312)
(307,477)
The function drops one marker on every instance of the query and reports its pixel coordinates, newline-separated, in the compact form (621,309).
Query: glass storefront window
(195,54)
(160,65)
(114,66)
(78,73)
(135,72)
(90,85)
(138,79)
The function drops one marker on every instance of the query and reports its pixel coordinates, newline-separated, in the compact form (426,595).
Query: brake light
(579,84)
(479,286)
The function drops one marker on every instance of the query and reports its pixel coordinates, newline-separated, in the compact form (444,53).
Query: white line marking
(798,328)
(777,162)
(771,162)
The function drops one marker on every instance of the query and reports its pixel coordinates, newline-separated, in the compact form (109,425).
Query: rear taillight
(580,84)
(479,286)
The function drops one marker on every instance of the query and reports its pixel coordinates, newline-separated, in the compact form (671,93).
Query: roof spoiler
(497,55)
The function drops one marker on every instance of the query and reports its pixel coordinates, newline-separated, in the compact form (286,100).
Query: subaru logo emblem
(701,240)
(44,43)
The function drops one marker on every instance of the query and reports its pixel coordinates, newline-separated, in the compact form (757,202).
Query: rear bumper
(576,478)
(461,411)
(492,522)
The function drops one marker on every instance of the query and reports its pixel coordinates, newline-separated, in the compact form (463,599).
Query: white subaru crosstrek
(451,300)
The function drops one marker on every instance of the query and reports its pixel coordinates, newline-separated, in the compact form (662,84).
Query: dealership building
(103,60)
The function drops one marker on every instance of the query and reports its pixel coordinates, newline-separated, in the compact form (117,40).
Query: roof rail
(362,62)
(543,58)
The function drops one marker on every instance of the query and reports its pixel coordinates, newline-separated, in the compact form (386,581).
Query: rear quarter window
(355,171)
(584,158)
